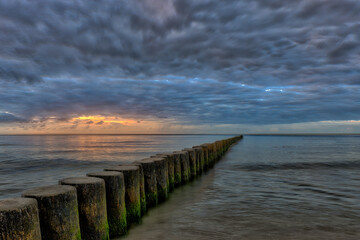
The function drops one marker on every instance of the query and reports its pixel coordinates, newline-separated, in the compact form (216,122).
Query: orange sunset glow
(102,120)
(96,124)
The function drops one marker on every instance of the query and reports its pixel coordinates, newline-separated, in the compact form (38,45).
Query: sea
(265,186)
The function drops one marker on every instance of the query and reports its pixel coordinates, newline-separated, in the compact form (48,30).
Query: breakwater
(105,204)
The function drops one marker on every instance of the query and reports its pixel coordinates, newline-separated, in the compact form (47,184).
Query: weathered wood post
(219,150)
(185,166)
(142,185)
(212,147)
(207,147)
(19,219)
(115,201)
(177,169)
(193,162)
(161,170)
(199,159)
(132,192)
(206,156)
(58,211)
(142,189)
(148,165)
(170,159)
(91,199)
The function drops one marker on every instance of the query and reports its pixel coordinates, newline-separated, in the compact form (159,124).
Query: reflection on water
(267,188)
(31,161)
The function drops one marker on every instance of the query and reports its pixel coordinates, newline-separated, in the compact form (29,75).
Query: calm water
(266,187)
(32,161)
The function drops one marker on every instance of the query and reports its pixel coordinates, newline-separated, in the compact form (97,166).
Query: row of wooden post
(104,204)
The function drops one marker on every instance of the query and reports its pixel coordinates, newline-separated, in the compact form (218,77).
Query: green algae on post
(199,159)
(161,171)
(132,191)
(19,219)
(206,156)
(219,150)
(207,147)
(177,169)
(91,196)
(115,201)
(185,166)
(143,203)
(58,211)
(148,166)
(171,176)
(193,163)
(142,190)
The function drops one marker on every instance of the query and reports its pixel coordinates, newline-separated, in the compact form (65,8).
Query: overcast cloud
(200,62)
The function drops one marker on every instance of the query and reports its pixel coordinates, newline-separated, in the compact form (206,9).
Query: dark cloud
(196,61)
(18,72)
(9,118)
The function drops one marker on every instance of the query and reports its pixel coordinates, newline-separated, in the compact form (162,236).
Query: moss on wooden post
(208,155)
(19,219)
(219,150)
(161,171)
(142,190)
(171,174)
(151,193)
(115,201)
(142,186)
(199,159)
(193,162)
(185,166)
(58,211)
(132,192)
(177,169)
(91,196)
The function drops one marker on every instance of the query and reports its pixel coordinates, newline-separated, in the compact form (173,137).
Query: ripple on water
(246,197)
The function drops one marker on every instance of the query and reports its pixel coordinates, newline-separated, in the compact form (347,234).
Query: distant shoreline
(302,134)
(190,134)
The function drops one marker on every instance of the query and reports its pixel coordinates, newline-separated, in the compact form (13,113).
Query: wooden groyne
(105,204)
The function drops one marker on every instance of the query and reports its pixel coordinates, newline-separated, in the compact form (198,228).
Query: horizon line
(248,134)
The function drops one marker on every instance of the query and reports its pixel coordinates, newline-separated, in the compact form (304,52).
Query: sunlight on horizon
(100,120)
(101,124)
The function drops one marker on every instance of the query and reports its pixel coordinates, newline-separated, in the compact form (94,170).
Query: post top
(156,159)
(48,191)
(81,180)
(180,152)
(123,168)
(105,174)
(147,160)
(135,163)
(188,149)
(164,154)
(205,145)
(12,204)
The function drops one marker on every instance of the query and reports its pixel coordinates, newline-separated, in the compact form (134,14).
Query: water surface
(268,187)
(265,187)
(39,160)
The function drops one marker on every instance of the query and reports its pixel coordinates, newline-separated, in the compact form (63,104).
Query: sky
(179,66)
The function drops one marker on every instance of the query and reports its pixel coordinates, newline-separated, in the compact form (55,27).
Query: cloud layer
(199,62)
